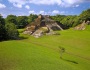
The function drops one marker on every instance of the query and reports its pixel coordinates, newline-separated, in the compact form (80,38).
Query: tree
(2,21)
(2,32)
(31,18)
(58,17)
(85,15)
(12,32)
(62,50)
(77,21)
(22,21)
(71,21)
(11,19)
(2,28)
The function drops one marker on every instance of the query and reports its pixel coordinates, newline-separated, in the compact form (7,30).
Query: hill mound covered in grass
(43,53)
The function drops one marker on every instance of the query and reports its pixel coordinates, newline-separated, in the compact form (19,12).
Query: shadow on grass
(21,38)
(70,61)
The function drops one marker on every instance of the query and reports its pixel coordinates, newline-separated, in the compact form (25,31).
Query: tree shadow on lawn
(22,37)
(70,61)
(19,38)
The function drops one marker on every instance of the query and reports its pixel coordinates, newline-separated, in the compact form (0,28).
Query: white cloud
(27,7)
(32,12)
(72,1)
(2,5)
(18,3)
(77,5)
(45,2)
(42,12)
(55,12)
(62,12)
(61,3)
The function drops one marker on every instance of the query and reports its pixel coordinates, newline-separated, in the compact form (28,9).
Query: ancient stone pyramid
(42,25)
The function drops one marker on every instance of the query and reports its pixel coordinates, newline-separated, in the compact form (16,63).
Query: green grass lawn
(43,53)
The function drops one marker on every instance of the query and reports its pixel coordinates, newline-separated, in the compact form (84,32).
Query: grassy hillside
(88,27)
(43,53)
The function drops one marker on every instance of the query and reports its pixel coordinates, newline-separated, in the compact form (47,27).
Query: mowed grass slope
(43,53)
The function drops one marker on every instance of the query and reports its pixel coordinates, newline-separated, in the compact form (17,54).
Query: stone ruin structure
(82,26)
(42,25)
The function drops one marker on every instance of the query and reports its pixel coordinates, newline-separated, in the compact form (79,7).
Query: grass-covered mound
(31,53)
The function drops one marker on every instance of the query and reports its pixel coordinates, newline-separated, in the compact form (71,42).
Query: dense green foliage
(67,21)
(85,15)
(2,32)
(31,18)
(11,19)
(2,21)
(12,32)
(22,21)
(2,29)
(72,20)
(7,30)
(58,17)
(9,25)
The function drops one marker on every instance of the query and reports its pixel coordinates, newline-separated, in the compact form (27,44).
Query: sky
(44,7)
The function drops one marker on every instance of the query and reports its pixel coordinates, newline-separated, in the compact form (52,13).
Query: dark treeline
(10,24)
(20,21)
(72,20)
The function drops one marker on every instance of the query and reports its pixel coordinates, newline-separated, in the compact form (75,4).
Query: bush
(12,32)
